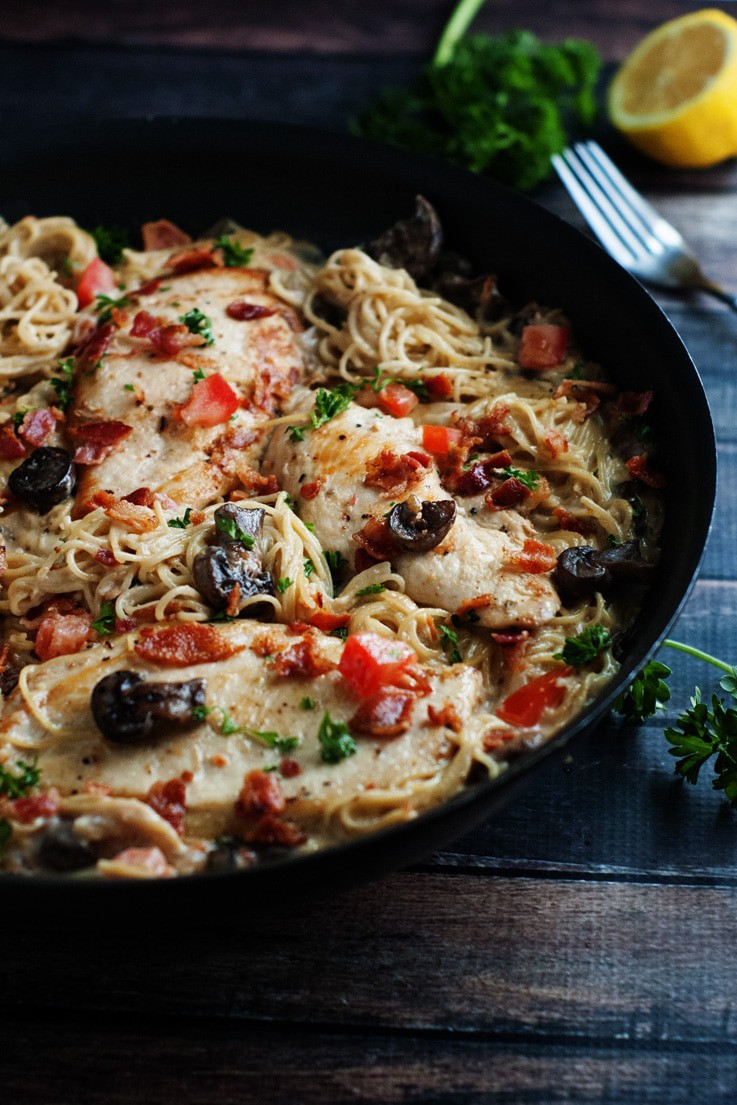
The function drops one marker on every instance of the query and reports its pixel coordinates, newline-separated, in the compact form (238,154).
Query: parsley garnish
(110,242)
(129,387)
(642,430)
(198,375)
(335,740)
(15,786)
(449,641)
(21,414)
(104,305)
(307,703)
(340,631)
(63,384)
(105,622)
(283,584)
(234,255)
(329,403)
(221,616)
(229,527)
(530,479)
(646,694)
(372,589)
(199,713)
(308,566)
(335,562)
(577,372)
(181,523)
(639,510)
(273,740)
(227,725)
(581,650)
(198,323)
(498,105)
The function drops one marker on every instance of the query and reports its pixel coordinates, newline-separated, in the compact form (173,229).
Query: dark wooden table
(581,948)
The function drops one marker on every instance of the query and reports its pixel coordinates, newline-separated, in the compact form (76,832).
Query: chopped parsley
(583,649)
(372,589)
(104,624)
(16,786)
(63,384)
(110,242)
(181,523)
(227,725)
(329,403)
(229,527)
(234,255)
(308,567)
(307,703)
(335,740)
(199,713)
(104,305)
(198,375)
(449,641)
(199,323)
(221,616)
(577,372)
(21,414)
(641,429)
(283,584)
(340,631)
(273,740)
(530,479)
(335,562)
(129,387)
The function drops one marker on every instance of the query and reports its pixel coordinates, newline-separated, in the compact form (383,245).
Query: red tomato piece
(439,385)
(97,279)
(525,706)
(438,439)
(370,662)
(211,403)
(28,809)
(397,400)
(542,347)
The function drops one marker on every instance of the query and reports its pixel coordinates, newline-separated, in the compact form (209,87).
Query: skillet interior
(337,191)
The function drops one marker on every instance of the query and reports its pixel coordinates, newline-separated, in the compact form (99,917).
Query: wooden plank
(500,958)
(232,1064)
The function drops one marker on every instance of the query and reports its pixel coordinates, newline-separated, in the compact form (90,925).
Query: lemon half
(675,97)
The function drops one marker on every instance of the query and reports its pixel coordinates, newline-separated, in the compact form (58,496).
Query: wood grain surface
(578,948)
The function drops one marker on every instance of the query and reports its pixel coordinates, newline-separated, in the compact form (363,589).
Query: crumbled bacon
(90,354)
(388,713)
(392,474)
(289,769)
(534,557)
(138,519)
(106,557)
(447,716)
(125,625)
(98,439)
(375,539)
(634,402)
(303,659)
(11,446)
(510,493)
(186,643)
(163,234)
(463,480)
(169,801)
(310,490)
(192,259)
(273,386)
(553,443)
(234,601)
(37,426)
(61,633)
(169,340)
(639,468)
(271,829)
(143,324)
(261,793)
(148,288)
(93,787)
(26,810)
(326,621)
(497,738)
(574,522)
(587,393)
(439,385)
(511,636)
(142,496)
(254,483)
(242,311)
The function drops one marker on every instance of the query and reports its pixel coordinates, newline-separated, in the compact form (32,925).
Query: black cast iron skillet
(338,191)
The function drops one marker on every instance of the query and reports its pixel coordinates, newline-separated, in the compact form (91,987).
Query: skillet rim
(375,853)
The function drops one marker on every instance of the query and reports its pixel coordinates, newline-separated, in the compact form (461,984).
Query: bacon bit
(168,341)
(479,603)
(511,636)
(573,522)
(327,621)
(143,324)
(472,481)
(494,425)
(186,776)
(193,259)
(289,768)
(255,484)
(11,446)
(119,317)
(61,634)
(553,443)
(634,402)
(149,862)
(272,386)
(103,789)
(138,519)
(37,426)
(163,234)
(234,601)
(106,557)
(177,646)
(299,628)
(245,312)
(310,490)
(142,496)
(303,659)
(587,393)
(276,830)
(414,680)
(261,793)
(447,716)
(497,738)
(169,801)
(534,557)
(98,440)
(218,760)
(26,810)
(266,644)
(639,468)
(125,625)
(148,288)
(90,353)
(394,475)
(386,714)
(439,385)
(375,539)
(508,494)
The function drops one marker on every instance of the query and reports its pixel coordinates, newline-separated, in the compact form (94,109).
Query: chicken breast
(134,385)
(472,562)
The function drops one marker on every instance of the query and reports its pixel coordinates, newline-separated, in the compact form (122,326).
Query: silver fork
(632,231)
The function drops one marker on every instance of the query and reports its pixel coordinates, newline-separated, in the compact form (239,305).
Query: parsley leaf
(199,713)
(307,703)
(104,306)
(308,566)
(702,733)
(449,641)
(273,740)
(283,584)
(105,622)
(335,740)
(340,631)
(646,694)
(641,429)
(227,725)
(110,242)
(581,650)
(229,527)
(372,589)
(335,562)
(181,523)
(198,323)
(530,479)
(63,384)
(329,403)
(234,255)
(16,786)
(198,375)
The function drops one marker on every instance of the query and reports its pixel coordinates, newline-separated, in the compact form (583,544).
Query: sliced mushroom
(60,849)
(477,295)
(218,570)
(44,479)
(419,527)
(9,680)
(583,569)
(246,519)
(127,709)
(412,244)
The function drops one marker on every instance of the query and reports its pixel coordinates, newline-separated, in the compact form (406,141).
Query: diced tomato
(26,810)
(97,279)
(525,706)
(439,385)
(211,403)
(327,622)
(37,426)
(438,439)
(11,446)
(61,634)
(370,662)
(397,400)
(163,235)
(542,347)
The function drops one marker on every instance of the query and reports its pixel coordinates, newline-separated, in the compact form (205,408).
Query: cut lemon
(675,97)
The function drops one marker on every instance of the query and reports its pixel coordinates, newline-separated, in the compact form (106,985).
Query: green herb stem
(698,654)
(463,16)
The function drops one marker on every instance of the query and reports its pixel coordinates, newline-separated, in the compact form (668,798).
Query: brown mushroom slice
(412,244)
(127,709)
(421,526)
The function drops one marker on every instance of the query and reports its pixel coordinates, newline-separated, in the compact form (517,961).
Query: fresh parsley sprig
(234,255)
(14,785)
(229,526)
(335,740)
(585,647)
(199,323)
(104,624)
(64,383)
(181,523)
(273,740)
(110,242)
(530,479)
